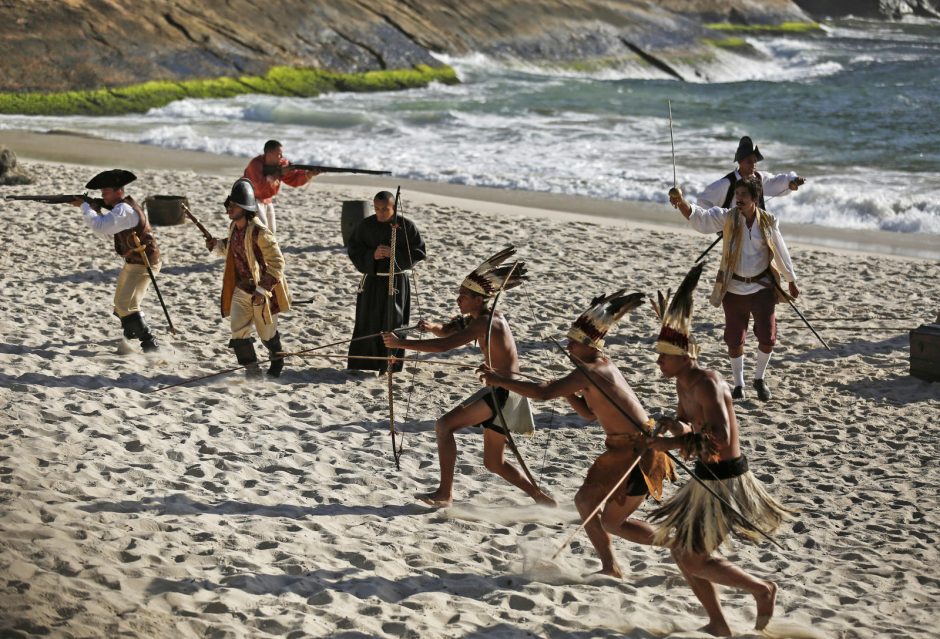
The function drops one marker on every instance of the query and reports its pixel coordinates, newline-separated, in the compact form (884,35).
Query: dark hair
(270,145)
(384,196)
(752,185)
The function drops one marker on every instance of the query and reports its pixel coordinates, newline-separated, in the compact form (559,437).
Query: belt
(748,280)
(408,272)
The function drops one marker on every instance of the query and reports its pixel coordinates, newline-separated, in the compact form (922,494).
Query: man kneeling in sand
(499,350)
(625,442)
(693,524)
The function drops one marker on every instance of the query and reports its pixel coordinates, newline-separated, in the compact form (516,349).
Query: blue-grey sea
(855,109)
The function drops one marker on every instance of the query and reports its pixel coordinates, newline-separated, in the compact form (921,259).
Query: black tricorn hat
(113,179)
(745,148)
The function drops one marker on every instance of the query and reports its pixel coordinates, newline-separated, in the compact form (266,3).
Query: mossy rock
(782,28)
(285,81)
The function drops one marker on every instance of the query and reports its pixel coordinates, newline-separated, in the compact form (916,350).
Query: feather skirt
(693,521)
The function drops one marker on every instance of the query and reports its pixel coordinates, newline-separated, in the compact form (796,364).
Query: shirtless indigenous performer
(693,523)
(624,442)
(499,351)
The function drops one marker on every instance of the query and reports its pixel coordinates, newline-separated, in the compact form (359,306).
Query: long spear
(295,354)
(390,321)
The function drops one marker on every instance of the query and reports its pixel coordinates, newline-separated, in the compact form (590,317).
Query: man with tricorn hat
(754,258)
(584,388)
(254,290)
(499,351)
(125,219)
(721,191)
(694,523)
(267,172)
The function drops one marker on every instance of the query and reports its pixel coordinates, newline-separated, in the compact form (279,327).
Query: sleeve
(782,254)
(297,177)
(414,242)
(708,220)
(255,173)
(360,250)
(221,246)
(121,218)
(777,185)
(273,259)
(713,194)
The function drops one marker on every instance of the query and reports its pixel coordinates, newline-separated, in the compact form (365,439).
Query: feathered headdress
(593,324)
(675,336)
(489,277)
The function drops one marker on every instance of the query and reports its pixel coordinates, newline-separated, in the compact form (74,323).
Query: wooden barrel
(354,211)
(166,210)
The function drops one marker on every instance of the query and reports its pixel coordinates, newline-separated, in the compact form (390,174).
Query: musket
(198,224)
(273,169)
(140,248)
(95,202)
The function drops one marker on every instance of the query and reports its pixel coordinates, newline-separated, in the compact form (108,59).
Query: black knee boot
(274,347)
(245,353)
(135,327)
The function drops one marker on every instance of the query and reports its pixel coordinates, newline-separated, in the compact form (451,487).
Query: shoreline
(58,146)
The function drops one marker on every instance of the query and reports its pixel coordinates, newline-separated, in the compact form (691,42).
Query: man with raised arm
(499,352)
(721,192)
(587,389)
(693,523)
(754,257)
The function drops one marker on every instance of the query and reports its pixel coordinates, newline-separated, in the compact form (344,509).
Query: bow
(499,410)
(390,326)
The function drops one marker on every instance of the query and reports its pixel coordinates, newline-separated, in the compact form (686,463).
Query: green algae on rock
(285,81)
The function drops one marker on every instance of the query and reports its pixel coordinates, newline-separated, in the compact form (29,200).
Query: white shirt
(773,185)
(121,218)
(755,254)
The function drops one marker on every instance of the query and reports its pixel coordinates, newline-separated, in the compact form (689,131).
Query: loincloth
(694,521)
(515,408)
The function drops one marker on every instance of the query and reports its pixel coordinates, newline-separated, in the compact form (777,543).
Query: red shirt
(267,186)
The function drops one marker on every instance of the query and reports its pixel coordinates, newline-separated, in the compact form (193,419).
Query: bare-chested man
(693,524)
(585,391)
(499,351)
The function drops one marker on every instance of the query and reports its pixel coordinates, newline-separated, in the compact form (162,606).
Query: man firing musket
(124,221)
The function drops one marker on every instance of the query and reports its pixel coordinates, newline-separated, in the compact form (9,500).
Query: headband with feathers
(675,336)
(593,324)
(489,277)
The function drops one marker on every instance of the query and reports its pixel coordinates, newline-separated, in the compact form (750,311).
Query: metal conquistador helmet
(243,194)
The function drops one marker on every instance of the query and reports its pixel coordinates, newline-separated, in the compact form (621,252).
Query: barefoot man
(693,523)
(624,440)
(473,298)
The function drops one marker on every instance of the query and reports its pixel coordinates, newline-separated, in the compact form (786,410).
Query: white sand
(273,509)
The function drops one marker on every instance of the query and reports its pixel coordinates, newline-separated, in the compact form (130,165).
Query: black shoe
(763,393)
(737,393)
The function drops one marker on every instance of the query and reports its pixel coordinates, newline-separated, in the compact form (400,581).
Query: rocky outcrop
(893,9)
(88,44)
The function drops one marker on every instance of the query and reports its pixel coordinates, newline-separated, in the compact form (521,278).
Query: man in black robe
(370,249)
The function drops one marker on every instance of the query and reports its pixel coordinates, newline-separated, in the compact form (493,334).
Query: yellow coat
(273,266)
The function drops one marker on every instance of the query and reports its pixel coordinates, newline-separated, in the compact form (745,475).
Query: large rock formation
(893,9)
(75,44)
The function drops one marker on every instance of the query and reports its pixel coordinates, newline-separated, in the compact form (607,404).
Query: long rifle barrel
(271,169)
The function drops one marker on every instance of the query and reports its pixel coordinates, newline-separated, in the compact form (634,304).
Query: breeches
(244,315)
(132,283)
(266,215)
(738,311)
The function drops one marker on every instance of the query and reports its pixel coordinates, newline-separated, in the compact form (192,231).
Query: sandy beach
(236,508)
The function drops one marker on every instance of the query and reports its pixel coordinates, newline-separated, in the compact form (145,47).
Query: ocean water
(855,109)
